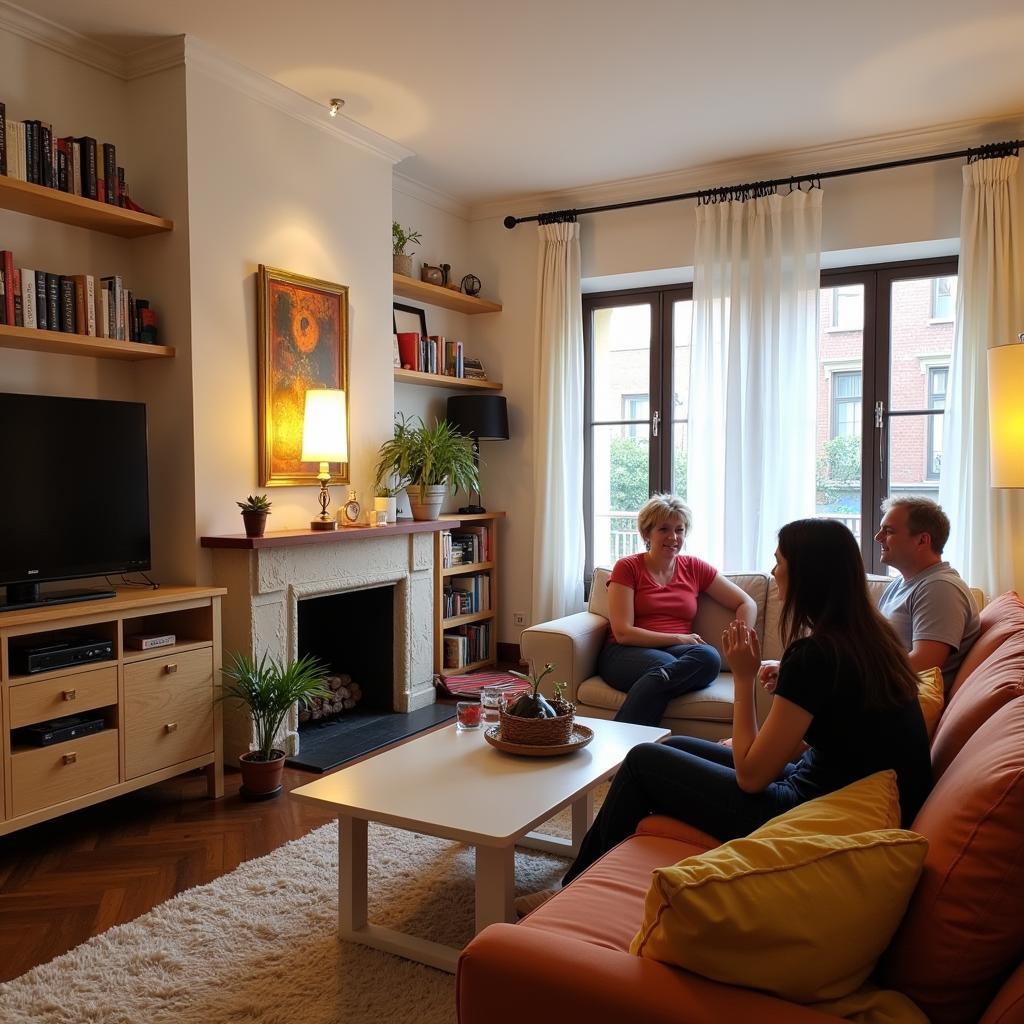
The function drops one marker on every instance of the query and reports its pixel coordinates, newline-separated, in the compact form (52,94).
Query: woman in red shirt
(652,653)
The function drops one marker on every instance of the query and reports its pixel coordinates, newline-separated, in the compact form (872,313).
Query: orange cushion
(964,928)
(999,620)
(995,682)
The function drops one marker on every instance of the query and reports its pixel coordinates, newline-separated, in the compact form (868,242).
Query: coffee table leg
(495,878)
(582,819)
(352,904)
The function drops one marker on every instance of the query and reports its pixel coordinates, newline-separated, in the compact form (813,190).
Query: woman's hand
(768,676)
(688,638)
(742,649)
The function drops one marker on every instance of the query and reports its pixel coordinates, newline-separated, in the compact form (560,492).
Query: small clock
(351,508)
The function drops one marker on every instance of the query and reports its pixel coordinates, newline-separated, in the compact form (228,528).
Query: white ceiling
(504,100)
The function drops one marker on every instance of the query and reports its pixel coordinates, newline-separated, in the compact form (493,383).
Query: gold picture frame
(302,339)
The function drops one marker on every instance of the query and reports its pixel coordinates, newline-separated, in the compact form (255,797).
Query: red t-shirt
(669,608)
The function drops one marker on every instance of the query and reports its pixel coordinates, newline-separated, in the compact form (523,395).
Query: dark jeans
(689,779)
(652,676)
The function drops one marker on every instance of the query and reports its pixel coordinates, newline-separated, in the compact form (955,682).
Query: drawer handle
(171,668)
(171,727)
(70,694)
(70,758)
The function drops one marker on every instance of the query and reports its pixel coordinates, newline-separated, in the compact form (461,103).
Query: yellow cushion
(802,908)
(931,695)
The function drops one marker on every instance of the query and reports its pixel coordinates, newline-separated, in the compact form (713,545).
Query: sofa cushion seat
(712,704)
(999,620)
(605,905)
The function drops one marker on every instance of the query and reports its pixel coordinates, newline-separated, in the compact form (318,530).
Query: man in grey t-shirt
(929,605)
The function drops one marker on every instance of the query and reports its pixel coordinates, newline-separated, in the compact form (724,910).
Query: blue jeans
(652,676)
(690,779)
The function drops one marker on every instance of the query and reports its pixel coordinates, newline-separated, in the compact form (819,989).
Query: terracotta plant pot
(401,264)
(255,523)
(432,500)
(261,779)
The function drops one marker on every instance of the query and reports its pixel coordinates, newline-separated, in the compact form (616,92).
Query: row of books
(75,304)
(466,595)
(31,151)
(469,545)
(464,645)
(430,354)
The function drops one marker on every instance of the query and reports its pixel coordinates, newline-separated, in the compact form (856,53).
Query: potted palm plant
(400,238)
(428,461)
(269,689)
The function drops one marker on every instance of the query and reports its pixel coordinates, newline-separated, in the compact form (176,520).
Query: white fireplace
(267,577)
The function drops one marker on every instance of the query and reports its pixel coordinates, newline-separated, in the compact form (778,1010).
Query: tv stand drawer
(60,696)
(63,771)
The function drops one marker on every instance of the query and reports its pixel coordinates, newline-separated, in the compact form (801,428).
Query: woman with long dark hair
(845,688)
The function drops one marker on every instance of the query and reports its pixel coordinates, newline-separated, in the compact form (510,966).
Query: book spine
(147,323)
(122,190)
(45,165)
(3,294)
(7,258)
(19,316)
(76,168)
(16,150)
(90,305)
(31,153)
(63,175)
(78,298)
(52,301)
(110,172)
(28,297)
(3,139)
(67,305)
(89,186)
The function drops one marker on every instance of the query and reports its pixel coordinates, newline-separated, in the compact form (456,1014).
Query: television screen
(76,488)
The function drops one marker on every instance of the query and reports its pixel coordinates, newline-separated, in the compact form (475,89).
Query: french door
(637,360)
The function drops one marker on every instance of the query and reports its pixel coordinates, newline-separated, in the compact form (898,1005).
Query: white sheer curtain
(558,549)
(752,375)
(986,545)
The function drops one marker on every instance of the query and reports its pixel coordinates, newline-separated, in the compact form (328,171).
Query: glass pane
(915,455)
(621,486)
(921,340)
(682,330)
(838,446)
(678,482)
(622,360)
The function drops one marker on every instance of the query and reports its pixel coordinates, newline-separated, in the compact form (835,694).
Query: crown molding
(779,164)
(64,41)
(159,56)
(429,195)
(273,94)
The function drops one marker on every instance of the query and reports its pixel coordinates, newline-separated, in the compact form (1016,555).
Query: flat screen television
(75,500)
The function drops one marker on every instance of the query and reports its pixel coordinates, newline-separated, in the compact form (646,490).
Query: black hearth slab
(323,747)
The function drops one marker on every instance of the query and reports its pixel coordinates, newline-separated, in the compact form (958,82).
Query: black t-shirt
(848,742)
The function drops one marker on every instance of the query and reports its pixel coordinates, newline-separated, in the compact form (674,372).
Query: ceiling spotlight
(336,105)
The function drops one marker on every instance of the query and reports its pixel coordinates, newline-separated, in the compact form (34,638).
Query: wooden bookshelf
(50,204)
(438,380)
(34,340)
(447,298)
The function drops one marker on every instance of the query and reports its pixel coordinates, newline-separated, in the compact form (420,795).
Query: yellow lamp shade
(324,433)
(1006,415)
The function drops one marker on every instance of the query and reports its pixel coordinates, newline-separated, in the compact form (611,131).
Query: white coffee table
(454,785)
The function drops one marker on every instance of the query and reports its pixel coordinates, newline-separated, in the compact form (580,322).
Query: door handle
(171,727)
(70,694)
(70,758)
(655,420)
(171,668)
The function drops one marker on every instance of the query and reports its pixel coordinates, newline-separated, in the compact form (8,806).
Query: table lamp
(1006,414)
(482,417)
(324,440)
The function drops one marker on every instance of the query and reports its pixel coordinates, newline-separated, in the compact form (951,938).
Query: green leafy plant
(255,503)
(269,689)
(426,456)
(535,704)
(401,237)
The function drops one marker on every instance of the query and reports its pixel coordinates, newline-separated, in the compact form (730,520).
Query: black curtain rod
(986,152)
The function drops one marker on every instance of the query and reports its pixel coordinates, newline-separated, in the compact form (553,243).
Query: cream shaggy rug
(259,946)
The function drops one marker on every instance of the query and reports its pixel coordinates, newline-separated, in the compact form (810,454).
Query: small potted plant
(255,510)
(400,238)
(385,499)
(269,689)
(532,719)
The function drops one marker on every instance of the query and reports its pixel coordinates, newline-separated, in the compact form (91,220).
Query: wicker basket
(538,731)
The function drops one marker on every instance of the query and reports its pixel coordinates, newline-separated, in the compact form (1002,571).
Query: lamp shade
(324,433)
(1006,415)
(482,416)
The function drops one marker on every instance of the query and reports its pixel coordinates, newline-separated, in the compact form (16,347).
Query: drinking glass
(467,715)
(490,697)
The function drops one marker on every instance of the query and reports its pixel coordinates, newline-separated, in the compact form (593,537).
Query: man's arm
(939,618)
(927,654)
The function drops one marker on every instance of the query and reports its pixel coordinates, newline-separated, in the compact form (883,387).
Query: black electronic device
(42,734)
(59,652)
(76,495)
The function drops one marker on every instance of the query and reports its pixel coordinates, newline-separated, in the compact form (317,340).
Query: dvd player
(72,727)
(60,653)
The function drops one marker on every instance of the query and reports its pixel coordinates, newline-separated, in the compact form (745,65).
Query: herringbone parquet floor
(66,880)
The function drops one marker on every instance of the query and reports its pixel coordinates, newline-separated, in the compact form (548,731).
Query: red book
(8,266)
(408,345)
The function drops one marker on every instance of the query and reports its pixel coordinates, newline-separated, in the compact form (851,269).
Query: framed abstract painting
(302,328)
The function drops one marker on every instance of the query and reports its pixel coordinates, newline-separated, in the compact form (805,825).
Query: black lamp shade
(482,416)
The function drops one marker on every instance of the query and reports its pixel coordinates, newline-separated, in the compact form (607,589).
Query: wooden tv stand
(160,714)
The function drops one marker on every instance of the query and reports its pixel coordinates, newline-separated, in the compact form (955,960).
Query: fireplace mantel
(266,578)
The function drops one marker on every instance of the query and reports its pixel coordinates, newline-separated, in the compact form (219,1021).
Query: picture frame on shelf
(302,343)
(411,319)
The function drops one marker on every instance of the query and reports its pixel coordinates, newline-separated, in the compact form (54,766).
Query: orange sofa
(957,954)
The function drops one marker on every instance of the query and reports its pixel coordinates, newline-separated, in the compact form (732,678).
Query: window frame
(837,400)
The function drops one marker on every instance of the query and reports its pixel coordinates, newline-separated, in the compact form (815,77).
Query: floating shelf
(435,295)
(463,620)
(438,380)
(34,340)
(48,203)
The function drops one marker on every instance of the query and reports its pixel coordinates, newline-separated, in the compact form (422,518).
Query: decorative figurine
(471,284)
(446,269)
(351,507)
(432,275)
